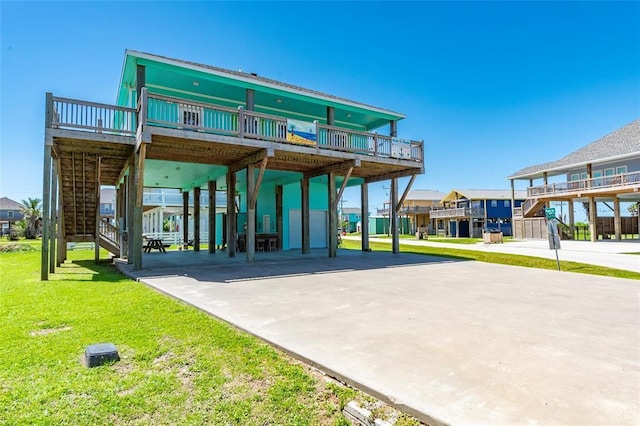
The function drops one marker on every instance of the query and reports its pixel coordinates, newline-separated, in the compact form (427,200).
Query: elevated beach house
(467,212)
(281,154)
(604,173)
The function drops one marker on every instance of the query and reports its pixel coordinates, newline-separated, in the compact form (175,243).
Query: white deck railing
(457,212)
(177,113)
(596,184)
(93,117)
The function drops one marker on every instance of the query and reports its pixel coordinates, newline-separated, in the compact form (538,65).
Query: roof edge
(570,166)
(202,68)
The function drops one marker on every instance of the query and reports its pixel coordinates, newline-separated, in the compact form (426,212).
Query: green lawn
(505,259)
(178,366)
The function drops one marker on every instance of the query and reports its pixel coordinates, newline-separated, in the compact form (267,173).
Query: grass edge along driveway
(178,365)
(499,258)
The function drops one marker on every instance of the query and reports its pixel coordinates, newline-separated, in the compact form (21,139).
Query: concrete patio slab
(454,342)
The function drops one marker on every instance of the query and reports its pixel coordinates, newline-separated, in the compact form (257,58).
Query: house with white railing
(604,173)
(416,208)
(470,212)
(281,154)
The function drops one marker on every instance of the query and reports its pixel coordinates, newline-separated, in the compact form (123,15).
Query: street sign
(550,213)
(554,237)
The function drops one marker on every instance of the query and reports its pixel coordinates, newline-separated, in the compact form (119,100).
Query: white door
(317,229)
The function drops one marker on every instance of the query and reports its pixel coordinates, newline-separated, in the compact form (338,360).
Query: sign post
(552,232)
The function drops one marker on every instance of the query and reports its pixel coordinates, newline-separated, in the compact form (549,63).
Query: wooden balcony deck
(602,186)
(188,131)
(597,186)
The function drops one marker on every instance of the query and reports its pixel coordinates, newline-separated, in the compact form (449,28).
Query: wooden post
(185,220)
(393,128)
(46,188)
(571,219)
(212,216)
(131,202)
(395,238)
(279,215)
(250,96)
(136,229)
(140,80)
(513,202)
(62,244)
(53,218)
(46,200)
(333,215)
(305,216)
(231,214)
(196,219)
(617,226)
(331,115)
(364,213)
(250,236)
(97,240)
(593,216)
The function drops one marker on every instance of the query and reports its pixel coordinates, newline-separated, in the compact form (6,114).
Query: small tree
(31,208)
(634,208)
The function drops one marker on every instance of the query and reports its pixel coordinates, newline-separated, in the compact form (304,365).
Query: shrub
(16,247)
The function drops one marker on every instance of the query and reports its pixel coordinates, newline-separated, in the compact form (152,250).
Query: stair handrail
(110,232)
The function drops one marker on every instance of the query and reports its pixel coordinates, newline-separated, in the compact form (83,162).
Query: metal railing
(594,184)
(92,117)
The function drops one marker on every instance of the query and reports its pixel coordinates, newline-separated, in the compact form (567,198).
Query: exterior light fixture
(195,83)
(279,101)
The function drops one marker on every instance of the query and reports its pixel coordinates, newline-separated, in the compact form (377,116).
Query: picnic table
(154,243)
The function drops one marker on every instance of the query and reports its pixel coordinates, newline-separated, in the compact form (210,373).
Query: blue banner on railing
(301,132)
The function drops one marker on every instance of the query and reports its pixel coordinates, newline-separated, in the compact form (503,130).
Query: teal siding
(266,205)
(291,199)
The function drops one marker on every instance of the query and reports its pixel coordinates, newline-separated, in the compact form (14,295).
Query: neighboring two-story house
(605,173)
(467,212)
(10,213)
(281,154)
(352,218)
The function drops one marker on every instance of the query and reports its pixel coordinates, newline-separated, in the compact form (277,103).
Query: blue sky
(490,87)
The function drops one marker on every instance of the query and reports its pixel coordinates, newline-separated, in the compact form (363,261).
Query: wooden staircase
(80,189)
(532,207)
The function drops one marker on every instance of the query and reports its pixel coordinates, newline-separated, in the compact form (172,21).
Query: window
(507,203)
(494,203)
(575,176)
(620,170)
(10,214)
(609,172)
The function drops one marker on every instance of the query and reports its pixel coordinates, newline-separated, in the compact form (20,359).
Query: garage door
(317,229)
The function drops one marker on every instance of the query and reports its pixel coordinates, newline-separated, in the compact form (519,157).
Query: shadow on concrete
(203,266)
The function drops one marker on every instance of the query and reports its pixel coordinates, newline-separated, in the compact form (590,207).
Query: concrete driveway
(454,342)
